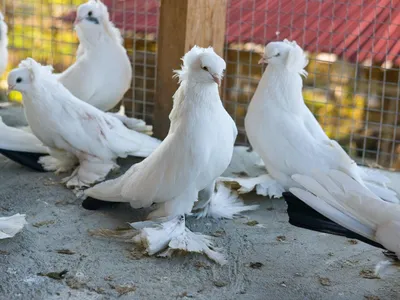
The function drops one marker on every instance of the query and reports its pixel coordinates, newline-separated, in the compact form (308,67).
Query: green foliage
(36,31)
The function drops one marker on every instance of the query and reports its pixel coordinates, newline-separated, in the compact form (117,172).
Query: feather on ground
(10,226)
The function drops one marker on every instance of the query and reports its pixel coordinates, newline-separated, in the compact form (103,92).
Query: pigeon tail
(303,216)
(133,123)
(27,159)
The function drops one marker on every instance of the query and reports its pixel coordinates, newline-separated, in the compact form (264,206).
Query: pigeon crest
(35,68)
(100,11)
(296,60)
(200,58)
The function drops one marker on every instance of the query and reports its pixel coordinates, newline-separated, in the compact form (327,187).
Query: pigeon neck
(93,38)
(34,102)
(202,88)
(284,87)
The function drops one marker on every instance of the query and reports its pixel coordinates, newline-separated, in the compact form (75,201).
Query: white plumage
(196,151)
(102,72)
(19,140)
(345,201)
(73,129)
(286,135)
(101,75)
(10,226)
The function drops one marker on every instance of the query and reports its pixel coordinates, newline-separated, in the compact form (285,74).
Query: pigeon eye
(205,69)
(278,54)
(90,13)
(19,80)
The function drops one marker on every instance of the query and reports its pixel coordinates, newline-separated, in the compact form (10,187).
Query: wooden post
(183,24)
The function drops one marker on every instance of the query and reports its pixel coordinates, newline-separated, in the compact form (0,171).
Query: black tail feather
(94,204)
(302,215)
(27,159)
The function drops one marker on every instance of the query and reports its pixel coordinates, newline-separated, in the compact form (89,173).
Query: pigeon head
(91,14)
(202,65)
(22,78)
(285,54)
(91,17)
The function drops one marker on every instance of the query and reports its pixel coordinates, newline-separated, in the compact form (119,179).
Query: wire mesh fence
(353,82)
(353,48)
(44,30)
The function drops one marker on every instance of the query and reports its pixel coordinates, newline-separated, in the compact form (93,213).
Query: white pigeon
(345,201)
(197,149)
(10,226)
(3,45)
(286,135)
(102,73)
(72,129)
(100,76)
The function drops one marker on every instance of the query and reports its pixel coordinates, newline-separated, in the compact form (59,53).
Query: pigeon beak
(77,21)
(217,80)
(262,61)
(10,88)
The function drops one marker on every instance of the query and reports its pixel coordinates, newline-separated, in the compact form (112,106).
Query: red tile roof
(357,30)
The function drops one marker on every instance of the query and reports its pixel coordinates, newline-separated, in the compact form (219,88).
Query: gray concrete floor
(300,264)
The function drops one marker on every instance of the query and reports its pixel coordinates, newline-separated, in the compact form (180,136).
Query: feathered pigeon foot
(10,226)
(166,236)
(134,124)
(246,172)
(222,204)
(303,216)
(50,163)
(27,159)
(245,162)
(87,174)
(264,185)
(26,129)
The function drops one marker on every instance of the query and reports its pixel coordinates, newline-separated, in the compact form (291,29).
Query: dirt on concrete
(271,260)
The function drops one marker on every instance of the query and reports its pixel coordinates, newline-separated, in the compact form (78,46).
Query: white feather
(172,236)
(245,162)
(10,226)
(264,185)
(222,204)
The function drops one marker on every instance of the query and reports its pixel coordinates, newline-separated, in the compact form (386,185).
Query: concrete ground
(272,260)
